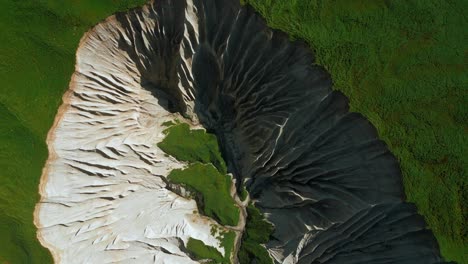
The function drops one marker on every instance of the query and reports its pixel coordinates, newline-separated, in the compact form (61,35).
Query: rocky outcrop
(318,172)
(104,194)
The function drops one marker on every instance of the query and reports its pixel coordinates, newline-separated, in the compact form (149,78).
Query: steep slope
(319,173)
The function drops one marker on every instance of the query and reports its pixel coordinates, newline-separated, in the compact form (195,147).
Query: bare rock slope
(103,194)
(319,173)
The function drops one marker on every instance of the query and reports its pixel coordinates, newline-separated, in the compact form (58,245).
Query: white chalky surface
(103,199)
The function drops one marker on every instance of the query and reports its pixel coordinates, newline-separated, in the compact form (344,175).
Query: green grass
(227,242)
(214,188)
(195,146)
(257,229)
(257,232)
(211,183)
(38,41)
(403,65)
(192,145)
(252,250)
(201,251)
(243,194)
(206,173)
(201,150)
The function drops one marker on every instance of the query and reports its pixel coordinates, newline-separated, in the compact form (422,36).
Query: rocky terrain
(319,173)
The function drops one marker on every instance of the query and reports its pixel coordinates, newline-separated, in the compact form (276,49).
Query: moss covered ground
(403,66)
(192,145)
(257,232)
(214,188)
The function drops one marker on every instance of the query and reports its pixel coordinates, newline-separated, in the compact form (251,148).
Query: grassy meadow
(192,145)
(403,65)
(214,189)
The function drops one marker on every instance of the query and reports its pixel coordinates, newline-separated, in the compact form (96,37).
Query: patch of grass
(206,173)
(257,232)
(227,242)
(257,228)
(403,65)
(211,184)
(192,146)
(214,188)
(38,42)
(201,251)
(251,250)
(243,194)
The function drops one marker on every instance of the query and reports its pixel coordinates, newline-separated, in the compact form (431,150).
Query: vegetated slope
(403,66)
(37,53)
(326,182)
(206,173)
(206,179)
(198,147)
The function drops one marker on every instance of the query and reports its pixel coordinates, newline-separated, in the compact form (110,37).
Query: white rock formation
(102,190)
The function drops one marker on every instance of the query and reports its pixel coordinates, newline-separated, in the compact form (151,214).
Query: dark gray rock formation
(318,172)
